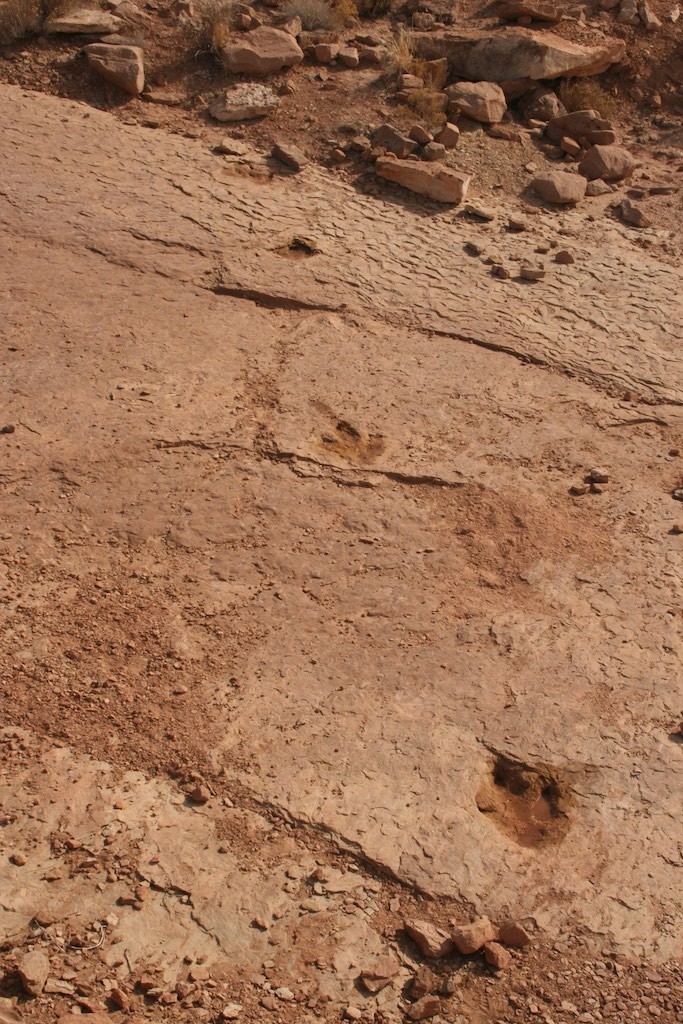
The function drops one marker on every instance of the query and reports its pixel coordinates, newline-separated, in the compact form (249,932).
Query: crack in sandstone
(275,454)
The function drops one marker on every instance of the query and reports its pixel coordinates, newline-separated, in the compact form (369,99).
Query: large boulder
(432,180)
(482,101)
(264,51)
(611,163)
(515,53)
(244,102)
(121,65)
(580,124)
(83,22)
(559,187)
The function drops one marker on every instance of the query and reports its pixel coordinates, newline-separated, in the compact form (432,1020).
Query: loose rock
(263,51)
(121,65)
(481,101)
(393,141)
(34,969)
(470,938)
(560,187)
(434,181)
(431,941)
(633,214)
(514,934)
(449,136)
(434,151)
(426,1007)
(244,102)
(290,155)
(497,956)
(610,163)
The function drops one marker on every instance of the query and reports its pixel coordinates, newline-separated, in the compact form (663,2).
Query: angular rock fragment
(290,155)
(610,163)
(432,942)
(34,969)
(586,125)
(428,1006)
(497,956)
(393,141)
(121,65)
(431,180)
(560,187)
(481,101)
(83,22)
(470,938)
(514,934)
(263,51)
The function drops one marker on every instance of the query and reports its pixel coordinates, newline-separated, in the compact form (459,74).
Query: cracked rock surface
(293,522)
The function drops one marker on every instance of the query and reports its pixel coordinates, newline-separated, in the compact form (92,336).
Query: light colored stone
(481,101)
(349,57)
(449,136)
(470,938)
(263,51)
(610,163)
(121,65)
(232,147)
(83,22)
(244,102)
(34,969)
(325,53)
(443,184)
(497,956)
(560,187)
(432,942)
(290,155)
(427,1006)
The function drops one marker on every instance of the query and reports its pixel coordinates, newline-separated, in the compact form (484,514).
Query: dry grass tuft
(428,105)
(210,27)
(587,94)
(374,8)
(400,56)
(314,14)
(18,18)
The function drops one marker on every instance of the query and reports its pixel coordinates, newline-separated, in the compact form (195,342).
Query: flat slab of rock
(481,101)
(263,51)
(123,66)
(516,53)
(290,155)
(85,22)
(560,187)
(610,163)
(431,180)
(244,102)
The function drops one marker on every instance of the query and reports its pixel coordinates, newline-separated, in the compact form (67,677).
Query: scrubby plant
(18,18)
(210,26)
(587,94)
(434,73)
(400,54)
(374,8)
(347,11)
(314,14)
(428,105)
